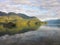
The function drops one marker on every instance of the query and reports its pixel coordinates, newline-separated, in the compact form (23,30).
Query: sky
(43,9)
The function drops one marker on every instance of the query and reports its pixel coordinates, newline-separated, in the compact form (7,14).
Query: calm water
(45,35)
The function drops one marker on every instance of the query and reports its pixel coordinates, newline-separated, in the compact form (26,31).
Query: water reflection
(45,35)
(54,25)
(13,28)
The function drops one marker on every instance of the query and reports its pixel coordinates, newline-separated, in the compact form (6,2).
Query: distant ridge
(3,13)
(57,21)
(12,13)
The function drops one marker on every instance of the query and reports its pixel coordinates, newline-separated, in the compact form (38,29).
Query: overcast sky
(43,9)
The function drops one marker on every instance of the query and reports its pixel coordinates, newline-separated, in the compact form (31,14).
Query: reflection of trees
(12,28)
(9,25)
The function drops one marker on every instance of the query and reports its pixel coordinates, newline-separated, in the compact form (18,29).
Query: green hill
(12,23)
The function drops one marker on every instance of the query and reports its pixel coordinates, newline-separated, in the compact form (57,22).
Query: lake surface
(45,35)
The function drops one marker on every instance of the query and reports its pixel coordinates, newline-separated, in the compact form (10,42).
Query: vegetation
(12,24)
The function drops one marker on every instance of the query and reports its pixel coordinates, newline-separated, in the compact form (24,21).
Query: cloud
(39,8)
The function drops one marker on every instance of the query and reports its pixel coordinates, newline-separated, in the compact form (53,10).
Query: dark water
(45,35)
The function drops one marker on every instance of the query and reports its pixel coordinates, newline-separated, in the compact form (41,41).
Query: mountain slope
(12,13)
